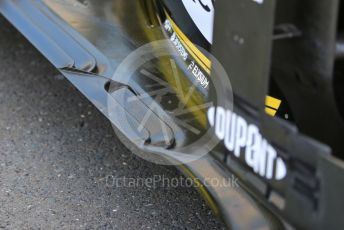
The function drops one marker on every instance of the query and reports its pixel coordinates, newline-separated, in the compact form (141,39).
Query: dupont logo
(240,137)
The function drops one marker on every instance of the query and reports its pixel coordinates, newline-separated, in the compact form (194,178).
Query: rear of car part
(290,50)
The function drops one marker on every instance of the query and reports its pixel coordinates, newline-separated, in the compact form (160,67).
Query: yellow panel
(273,102)
(270,112)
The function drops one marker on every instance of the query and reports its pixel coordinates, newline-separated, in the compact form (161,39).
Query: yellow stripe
(270,111)
(273,102)
(200,58)
(202,189)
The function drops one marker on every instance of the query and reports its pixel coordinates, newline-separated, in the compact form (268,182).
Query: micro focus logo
(241,137)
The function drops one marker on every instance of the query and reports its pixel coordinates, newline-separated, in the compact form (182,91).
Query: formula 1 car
(251,89)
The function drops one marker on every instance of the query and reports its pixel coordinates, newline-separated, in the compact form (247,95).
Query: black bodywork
(300,59)
(292,48)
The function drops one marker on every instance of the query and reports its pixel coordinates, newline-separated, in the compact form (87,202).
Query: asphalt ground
(60,159)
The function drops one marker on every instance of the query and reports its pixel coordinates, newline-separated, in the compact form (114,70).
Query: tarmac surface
(60,161)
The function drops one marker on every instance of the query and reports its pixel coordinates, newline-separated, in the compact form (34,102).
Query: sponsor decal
(198,74)
(245,141)
(196,71)
(199,63)
(180,48)
(202,13)
(258,1)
